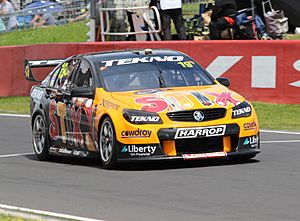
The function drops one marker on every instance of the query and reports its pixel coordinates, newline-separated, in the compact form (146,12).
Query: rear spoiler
(38,64)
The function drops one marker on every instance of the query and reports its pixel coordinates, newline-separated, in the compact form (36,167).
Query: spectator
(15,4)
(220,19)
(7,8)
(46,19)
(171,9)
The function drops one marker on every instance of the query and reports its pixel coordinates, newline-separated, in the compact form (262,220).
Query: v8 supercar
(138,105)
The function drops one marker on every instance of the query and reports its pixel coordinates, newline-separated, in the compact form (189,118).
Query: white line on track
(45,213)
(15,155)
(14,115)
(280,141)
(280,132)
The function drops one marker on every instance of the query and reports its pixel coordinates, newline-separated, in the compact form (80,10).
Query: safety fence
(53,13)
(134,20)
(266,71)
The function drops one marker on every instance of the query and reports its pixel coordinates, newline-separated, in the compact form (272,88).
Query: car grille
(187,116)
(203,145)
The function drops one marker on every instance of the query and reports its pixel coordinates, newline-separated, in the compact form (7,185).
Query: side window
(54,76)
(83,77)
(64,74)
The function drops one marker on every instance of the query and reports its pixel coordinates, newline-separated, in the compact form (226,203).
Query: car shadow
(72,161)
(180,164)
(148,165)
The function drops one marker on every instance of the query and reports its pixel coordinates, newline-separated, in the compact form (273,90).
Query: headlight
(141,117)
(242,110)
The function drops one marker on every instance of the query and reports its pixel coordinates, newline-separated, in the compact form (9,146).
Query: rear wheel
(107,144)
(40,138)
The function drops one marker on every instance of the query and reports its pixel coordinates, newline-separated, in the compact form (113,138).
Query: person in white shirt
(7,8)
(171,9)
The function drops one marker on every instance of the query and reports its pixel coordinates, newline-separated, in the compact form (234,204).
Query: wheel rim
(106,141)
(39,134)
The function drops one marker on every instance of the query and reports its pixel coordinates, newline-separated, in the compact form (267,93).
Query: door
(58,94)
(82,109)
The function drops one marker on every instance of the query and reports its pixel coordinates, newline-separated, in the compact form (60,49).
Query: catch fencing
(62,13)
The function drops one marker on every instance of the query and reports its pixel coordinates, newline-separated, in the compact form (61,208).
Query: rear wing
(28,65)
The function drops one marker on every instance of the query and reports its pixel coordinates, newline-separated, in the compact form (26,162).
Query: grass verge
(75,32)
(12,218)
(278,116)
(16,105)
(271,116)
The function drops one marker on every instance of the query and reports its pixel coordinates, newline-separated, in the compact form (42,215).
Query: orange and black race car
(138,105)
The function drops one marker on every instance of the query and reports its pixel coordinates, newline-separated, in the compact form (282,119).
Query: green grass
(294,37)
(75,32)
(271,116)
(18,105)
(12,218)
(278,116)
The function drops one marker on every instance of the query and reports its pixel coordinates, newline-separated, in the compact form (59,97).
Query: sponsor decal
(82,102)
(184,101)
(54,126)
(37,94)
(152,104)
(109,104)
(178,103)
(241,112)
(73,124)
(224,98)
(27,71)
(138,151)
(147,59)
(251,141)
(200,132)
(76,119)
(56,150)
(187,64)
(205,101)
(136,133)
(62,112)
(203,155)
(148,119)
(250,126)
(173,104)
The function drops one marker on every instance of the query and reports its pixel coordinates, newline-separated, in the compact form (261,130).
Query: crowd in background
(19,14)
(217,18)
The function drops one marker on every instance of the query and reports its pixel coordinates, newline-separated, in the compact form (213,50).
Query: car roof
(115,55)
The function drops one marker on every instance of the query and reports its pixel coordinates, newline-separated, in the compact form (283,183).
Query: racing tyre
(40,138)
(107,144)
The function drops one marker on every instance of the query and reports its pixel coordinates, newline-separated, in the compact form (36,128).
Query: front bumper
(221,141)
(181,157)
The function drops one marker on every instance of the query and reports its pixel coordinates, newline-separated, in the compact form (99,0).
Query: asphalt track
(264,189)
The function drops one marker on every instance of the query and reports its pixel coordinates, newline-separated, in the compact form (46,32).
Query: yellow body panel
(112,104)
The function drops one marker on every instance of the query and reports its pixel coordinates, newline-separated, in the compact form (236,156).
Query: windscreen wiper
(162,82)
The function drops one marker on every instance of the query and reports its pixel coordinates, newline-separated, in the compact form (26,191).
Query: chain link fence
(53,13)
(62,11)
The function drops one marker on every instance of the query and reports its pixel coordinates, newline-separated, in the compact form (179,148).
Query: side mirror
(82,92)
(224,81)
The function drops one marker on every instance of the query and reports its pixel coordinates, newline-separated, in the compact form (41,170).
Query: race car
(138,105)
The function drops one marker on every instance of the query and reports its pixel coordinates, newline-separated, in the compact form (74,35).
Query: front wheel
(107,144)
(40,138)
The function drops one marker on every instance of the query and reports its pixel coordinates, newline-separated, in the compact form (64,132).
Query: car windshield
(150,75)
